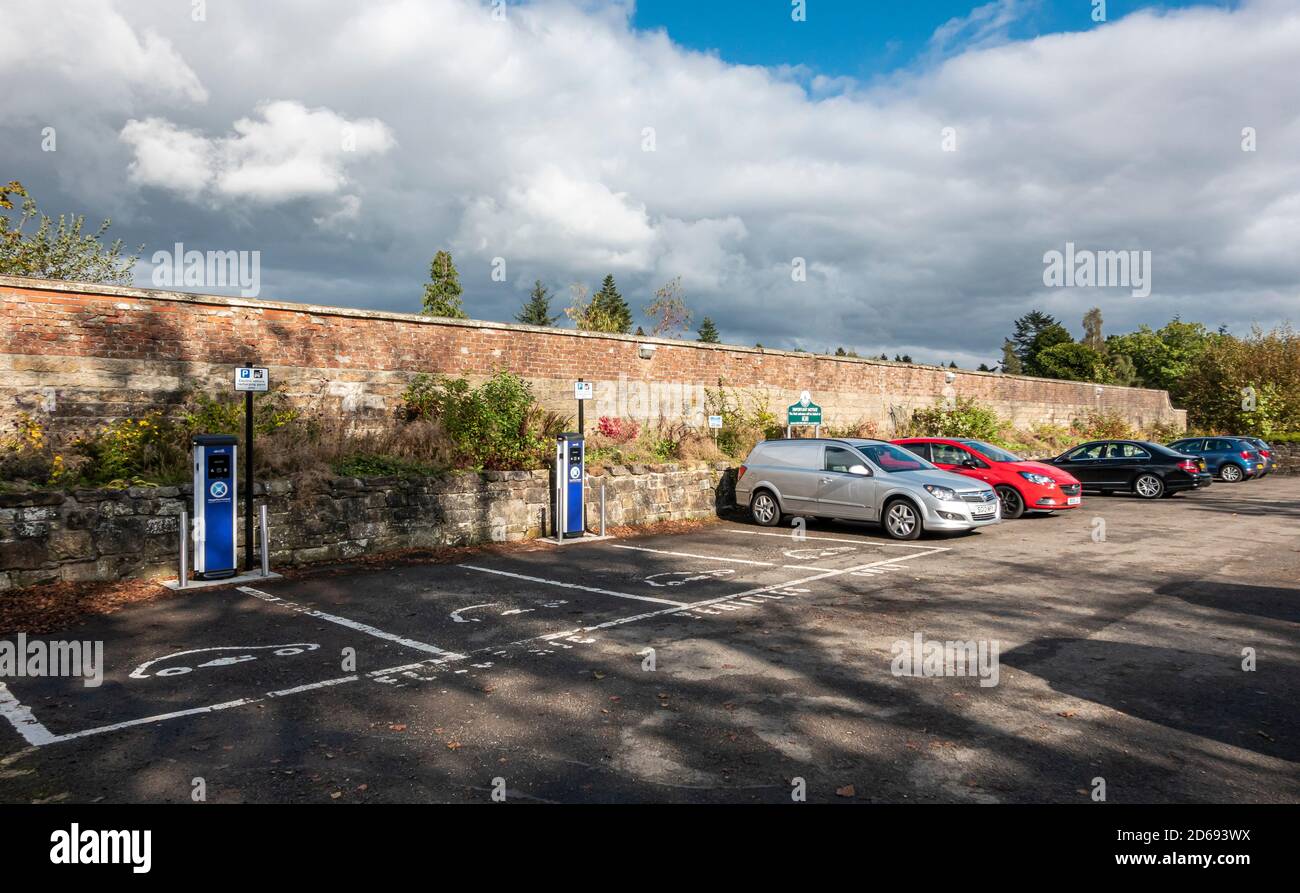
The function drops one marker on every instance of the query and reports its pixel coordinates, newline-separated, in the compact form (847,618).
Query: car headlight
(1038,478)
(943,494)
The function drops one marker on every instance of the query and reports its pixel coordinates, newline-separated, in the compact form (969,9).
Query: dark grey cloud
(526,139)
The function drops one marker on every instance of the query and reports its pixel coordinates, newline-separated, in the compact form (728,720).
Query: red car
(1021,485)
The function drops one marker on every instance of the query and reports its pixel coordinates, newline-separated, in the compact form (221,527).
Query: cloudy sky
(719,142)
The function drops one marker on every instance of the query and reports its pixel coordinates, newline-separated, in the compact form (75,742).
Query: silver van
(861,480)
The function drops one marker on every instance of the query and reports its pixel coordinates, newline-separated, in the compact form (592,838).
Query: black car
(1145,469)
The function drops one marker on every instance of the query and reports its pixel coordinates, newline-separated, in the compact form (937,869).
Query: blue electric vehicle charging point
(570,486)
(216,489)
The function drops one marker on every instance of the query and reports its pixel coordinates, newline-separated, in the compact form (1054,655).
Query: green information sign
(805,412)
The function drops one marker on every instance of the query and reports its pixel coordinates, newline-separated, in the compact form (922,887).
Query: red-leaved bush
(618,430)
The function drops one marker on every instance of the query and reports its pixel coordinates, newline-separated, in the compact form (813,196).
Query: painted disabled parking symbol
(811,554)
(684,577)
(183,662)
(218,490)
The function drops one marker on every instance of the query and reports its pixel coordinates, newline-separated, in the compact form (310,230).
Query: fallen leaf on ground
(847,791)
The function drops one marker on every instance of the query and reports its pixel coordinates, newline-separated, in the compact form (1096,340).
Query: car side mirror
(969,463)
(860,470)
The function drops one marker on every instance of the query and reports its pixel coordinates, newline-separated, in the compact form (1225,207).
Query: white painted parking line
(832,539)
(21,718)
(350,624)
(563,585)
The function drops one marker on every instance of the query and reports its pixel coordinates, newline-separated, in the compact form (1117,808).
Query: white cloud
(523,139)
(287,152)
(91,43)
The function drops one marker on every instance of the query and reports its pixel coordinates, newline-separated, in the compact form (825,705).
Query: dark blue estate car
(1231,459)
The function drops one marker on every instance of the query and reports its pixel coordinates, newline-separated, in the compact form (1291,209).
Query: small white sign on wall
(252,378)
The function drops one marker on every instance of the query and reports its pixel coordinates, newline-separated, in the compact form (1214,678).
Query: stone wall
(77,355)
(1287,457)
(113,534)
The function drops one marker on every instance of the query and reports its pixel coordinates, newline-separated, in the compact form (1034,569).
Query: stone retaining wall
(113,534)
(1287,457)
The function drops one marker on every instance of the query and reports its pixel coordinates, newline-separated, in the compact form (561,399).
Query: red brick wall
(87,353)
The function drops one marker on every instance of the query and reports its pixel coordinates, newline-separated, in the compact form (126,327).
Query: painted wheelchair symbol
(243,655)
(687,577)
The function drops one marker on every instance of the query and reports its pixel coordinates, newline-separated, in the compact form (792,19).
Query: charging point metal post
(570,486)
(216,487)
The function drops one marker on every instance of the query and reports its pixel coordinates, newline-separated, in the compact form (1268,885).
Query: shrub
(138,450)
(618,430)
(964,418)
(745,420)
(29,455)
(495,425)
(203,413)
(861,428)
(1103,426)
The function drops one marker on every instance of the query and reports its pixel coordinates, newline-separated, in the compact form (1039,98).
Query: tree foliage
(668,311)
(590,314)
(442,294)
(708,332)
(537,310)
(610,309)
(60,249)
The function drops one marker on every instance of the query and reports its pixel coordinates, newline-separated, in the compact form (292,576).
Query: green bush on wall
(962,418)
(496,425)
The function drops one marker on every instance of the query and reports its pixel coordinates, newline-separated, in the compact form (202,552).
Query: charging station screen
(218,465)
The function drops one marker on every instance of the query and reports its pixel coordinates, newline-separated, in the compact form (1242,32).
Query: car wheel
(1013,504)
(765,511)
(902,520)
(1231,474)
(1149,486)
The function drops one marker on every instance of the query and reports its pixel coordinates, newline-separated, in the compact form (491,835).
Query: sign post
(582,391)
(804,413)
(715,425)
(249,379)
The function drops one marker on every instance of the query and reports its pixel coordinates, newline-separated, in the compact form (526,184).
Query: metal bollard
(265,541)
(183,578)
(602,508)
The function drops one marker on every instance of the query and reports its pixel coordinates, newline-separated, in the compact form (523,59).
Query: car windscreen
(888,457)
(997,454)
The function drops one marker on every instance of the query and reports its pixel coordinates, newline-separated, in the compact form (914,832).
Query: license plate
(983,512)
(1073,500)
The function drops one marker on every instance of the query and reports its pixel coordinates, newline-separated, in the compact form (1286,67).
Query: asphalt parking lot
(717,665)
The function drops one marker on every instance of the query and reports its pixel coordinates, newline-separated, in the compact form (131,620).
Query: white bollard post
(265,541)
(602,507)
(183,578)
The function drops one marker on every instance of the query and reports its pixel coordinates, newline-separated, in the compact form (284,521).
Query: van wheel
(1013,504)
(1231,474)
(764,509)
(902,520)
